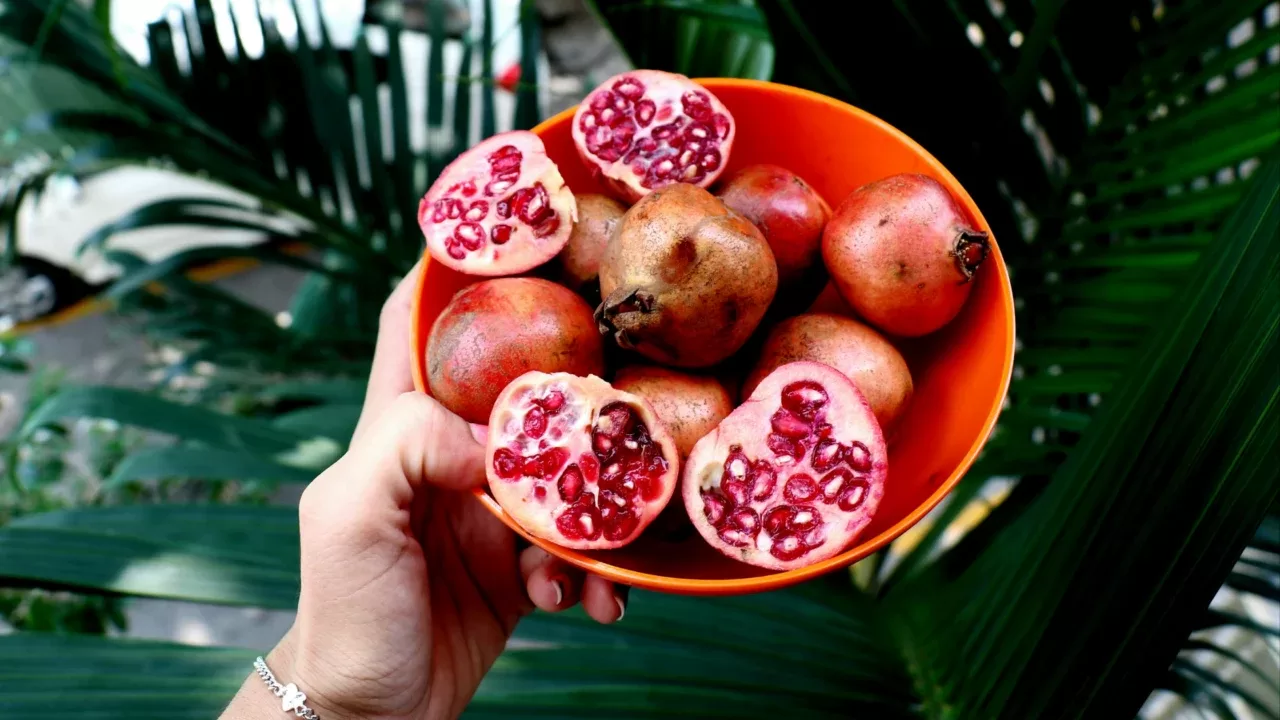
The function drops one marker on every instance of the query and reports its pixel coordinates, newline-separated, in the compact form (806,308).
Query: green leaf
(69,677)
(204,464)
(216,554)
(711,38)
(336,421)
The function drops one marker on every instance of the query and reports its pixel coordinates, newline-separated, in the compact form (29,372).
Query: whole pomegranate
(690,406)
(792,475)
(646,129)
(577,462)
(501,208)
(494,331)
(902,253)
(789,213)
(685,280)
(863,355)
(578,264)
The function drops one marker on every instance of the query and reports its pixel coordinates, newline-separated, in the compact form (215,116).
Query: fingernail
(559,591)
(622,608)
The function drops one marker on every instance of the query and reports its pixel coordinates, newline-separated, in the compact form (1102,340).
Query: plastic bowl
(961,372)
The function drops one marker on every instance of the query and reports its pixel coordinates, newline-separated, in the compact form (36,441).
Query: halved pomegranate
(792,475)
(647,129)
(501,208)
(577,462)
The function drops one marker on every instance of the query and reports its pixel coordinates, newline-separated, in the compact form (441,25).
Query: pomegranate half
(501,208)
(576,462)
(791,476)
(646,129)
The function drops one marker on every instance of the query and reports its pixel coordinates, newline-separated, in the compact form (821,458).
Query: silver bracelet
(291,698)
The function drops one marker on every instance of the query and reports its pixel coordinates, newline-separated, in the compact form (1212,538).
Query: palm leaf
(716,38)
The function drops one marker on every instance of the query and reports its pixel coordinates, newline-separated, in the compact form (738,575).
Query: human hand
(410,588)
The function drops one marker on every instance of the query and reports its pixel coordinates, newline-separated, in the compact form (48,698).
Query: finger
(391,374)
(480,433)
(552,584)
(603,601)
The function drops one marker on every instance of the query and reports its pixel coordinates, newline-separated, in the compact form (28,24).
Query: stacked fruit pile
(722,286)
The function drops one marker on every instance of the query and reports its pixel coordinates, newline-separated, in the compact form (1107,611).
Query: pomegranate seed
(552,460)
(805,518)
(776,519)
(531,467)
(503,209)
(645,110)
(736,489)
(788,425)
(714,508)
(548,226)
(785,447)
(601,100)
(763,479)
(746,520)
(506,464)
(468,188)
(455,250)
(590,466)
(552,402)
(629,88)
(505,159)
(622,526)
(580,521)
(721,122)
(826,454)
(735,537)
(710,160)
(535,423)
(497,187)
(852,497)
(588,121)
(477,211)
(437,214)
(804,398)
(470,234)
(571,484)
(800,488)
(858,456)
(736,465)
(453,208)
(665,132)
(823,430)
(611,472)
(788,548)
(540,492)
(833,482)
(611,501)
(500,234)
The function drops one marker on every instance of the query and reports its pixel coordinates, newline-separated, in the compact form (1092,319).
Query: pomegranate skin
(789,213)
(902,253)
(860,353)
(690,406)
(496,330)
(575,461)
(578,264)
(685,280)
(793,475)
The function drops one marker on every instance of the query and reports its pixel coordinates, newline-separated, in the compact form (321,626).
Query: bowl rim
(863,548)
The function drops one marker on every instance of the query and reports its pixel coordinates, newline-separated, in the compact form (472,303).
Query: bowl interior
(961,373)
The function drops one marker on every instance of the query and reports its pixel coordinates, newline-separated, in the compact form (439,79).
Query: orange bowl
(961,372)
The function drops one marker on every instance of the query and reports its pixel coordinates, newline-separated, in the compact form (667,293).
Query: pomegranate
(494,331)
(577,462)
(792,475)
(689,406)
(902,253)
(863,355)
(685,280)
(501,208)
(646,129)
(789,213)
(578,264)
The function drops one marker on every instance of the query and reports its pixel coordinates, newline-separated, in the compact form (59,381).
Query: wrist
(287,663)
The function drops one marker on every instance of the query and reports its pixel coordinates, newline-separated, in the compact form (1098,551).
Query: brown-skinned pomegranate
(578,264)
(789,213)
(500,208)
(576,462)
(903,254)
(863,355)
(646,129)
(792,475)
(689,406)
(685,280)
(494,331)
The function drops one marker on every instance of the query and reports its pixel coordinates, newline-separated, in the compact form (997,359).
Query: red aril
(646,129)
(791,476)
(576,462)
(501,208)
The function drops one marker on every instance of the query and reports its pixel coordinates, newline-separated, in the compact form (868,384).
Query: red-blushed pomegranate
(576,462)
(689,406)
(791,476)
(789,213)
(863,355)
(685,280)
(646,129)
(578,264)
(830,301)
(501,208)
(901,251)
(494,331)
